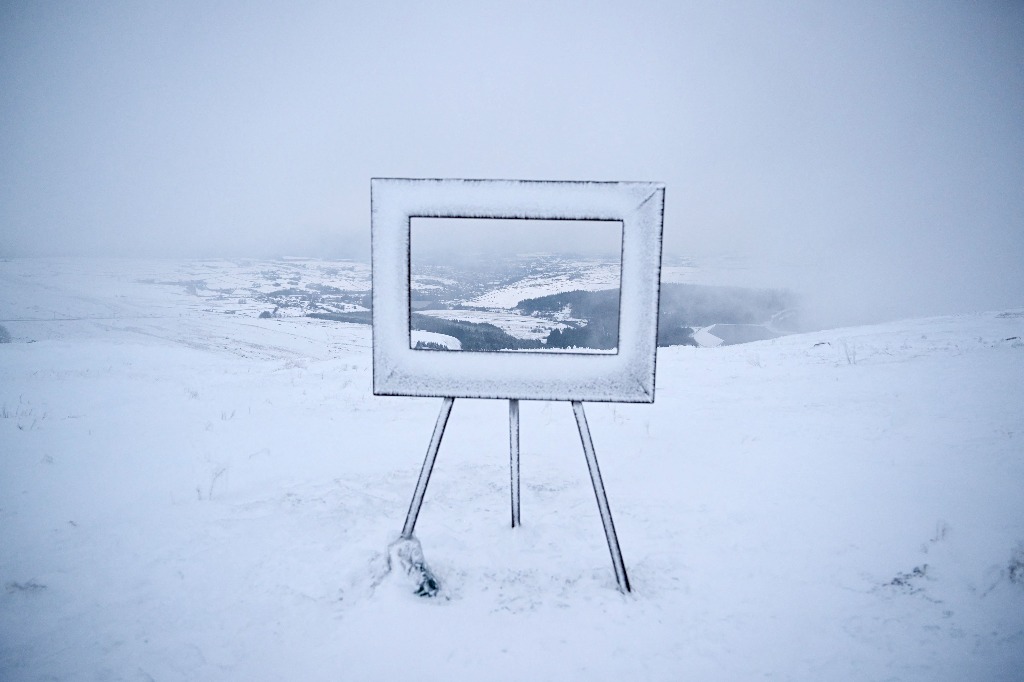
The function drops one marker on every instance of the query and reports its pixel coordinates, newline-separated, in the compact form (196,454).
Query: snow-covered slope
(581,275)
(189,495)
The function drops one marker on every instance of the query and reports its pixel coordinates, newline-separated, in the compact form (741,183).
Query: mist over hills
(542,301)
(575,300)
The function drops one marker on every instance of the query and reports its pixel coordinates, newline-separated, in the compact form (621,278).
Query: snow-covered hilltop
(188,491)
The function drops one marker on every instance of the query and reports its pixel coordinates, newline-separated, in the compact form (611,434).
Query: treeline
(355,317)
(600,333)
(599,310)
(585,305)
(684,307)
(691,305)
(478,336)
(597,334)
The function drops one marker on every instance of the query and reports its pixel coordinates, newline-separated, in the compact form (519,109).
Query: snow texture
(405,557)
(449,342)
(190,495)
(625,376)
(588,277)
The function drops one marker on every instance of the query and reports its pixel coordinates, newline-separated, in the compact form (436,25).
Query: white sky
(449,239)
(867,154)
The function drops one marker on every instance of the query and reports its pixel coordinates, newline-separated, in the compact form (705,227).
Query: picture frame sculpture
(627,375)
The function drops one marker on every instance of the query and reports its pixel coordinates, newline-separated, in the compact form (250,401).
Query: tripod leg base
(407,556)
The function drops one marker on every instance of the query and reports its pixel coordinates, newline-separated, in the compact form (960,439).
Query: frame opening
(514,285)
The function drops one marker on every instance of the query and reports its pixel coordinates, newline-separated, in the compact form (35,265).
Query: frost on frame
(625,375)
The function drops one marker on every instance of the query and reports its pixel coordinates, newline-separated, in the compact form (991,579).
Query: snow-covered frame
(627,376)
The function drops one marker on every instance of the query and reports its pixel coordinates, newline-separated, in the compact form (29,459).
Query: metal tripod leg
(602,498)
(428,467)
(513,447)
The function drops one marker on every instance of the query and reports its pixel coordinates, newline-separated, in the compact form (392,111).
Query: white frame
(626,376)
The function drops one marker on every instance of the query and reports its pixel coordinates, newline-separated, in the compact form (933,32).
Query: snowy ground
(449,342)
(189,495)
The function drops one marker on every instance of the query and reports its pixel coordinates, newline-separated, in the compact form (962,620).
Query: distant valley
(528,303)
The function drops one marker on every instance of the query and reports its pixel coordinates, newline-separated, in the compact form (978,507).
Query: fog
(866,155)
(467,239)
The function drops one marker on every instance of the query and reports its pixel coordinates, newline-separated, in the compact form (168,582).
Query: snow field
(197,497)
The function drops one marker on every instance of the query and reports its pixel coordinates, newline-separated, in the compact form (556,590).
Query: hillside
(188,493)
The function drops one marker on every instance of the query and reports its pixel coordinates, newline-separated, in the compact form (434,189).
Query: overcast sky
(453,240)
(869,155)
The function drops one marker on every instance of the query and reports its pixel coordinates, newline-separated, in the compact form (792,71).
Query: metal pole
(513,446)
(428,467)
(602,498)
